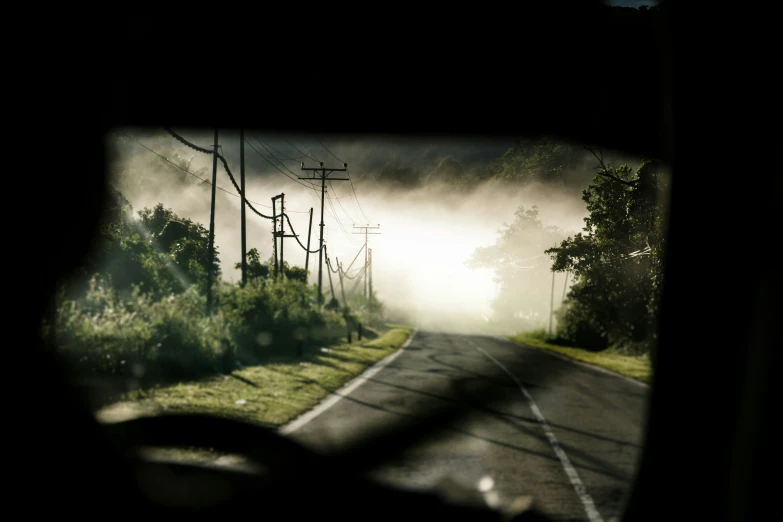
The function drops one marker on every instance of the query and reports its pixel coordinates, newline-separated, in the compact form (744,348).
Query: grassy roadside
(635,367)
(270,394)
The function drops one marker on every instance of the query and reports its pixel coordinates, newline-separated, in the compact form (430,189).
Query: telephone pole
(242,186)
(274,231)
(369,250)
(307,254)
(212,226)
(552,304)
(324,172)
(281,233)
(366,251)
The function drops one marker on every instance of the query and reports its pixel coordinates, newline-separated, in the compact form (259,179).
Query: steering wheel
(294,477)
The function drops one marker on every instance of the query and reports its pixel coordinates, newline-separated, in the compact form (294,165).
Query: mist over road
(566,434)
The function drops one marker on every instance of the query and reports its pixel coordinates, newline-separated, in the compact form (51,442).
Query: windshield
(370,280)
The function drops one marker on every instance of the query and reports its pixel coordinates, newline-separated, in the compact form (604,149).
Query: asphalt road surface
(567,435)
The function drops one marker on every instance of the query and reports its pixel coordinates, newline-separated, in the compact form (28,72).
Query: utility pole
(366,252)
(552,304)
(212,226)
(274,232)
(323,171)
(280,266)
(307,254)
(242,186)
(369,250)
(282,232)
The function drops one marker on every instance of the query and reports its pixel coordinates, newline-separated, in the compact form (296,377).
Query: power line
(357,198)
(329,151)
(300,152)
(284,155)
(342,207)
(194,175)
(349,181)
(310,153)
(293,232)
(275,166)
(225,166)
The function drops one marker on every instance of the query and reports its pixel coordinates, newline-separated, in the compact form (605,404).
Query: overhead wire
(276,167)
(284,155)
(342,207)
(356,197)
(225,166)
(194,175)
(300,152)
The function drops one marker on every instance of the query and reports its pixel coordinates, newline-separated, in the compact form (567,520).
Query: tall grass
(170,338)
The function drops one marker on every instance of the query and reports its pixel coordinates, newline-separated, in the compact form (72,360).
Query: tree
(255,268)
(157,251)
(617,260)
(521,269)
(539,159)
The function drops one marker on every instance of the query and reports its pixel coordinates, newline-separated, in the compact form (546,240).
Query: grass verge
(270,394)
(635,367)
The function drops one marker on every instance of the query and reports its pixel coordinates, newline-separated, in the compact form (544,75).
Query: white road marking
(580,363)
(335,397)
(581,491)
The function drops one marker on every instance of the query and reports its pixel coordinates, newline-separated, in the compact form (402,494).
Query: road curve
(564,433)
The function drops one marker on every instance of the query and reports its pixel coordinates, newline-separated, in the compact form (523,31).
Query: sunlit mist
(426,234)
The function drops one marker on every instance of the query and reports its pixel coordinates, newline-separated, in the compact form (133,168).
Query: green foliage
(540,159)
(255,269)
(617,260)
(397,176)
(140,311)
(520,266)
(367,310)
(269,316)
(141,337)
(157,251)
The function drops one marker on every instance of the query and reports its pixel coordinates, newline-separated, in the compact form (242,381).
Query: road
(566,434)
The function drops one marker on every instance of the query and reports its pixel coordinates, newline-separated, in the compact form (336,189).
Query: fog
(426,235)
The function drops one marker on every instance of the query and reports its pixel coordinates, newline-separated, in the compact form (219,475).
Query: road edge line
(335,396)
(591,510)
(574,361)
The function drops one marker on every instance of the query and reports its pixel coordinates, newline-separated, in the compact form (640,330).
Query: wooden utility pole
(552,304)
(282,232)
(324,172)
(212,226)
(280,266)
(274,232)
(366,251)
(307,254)
(242,187)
